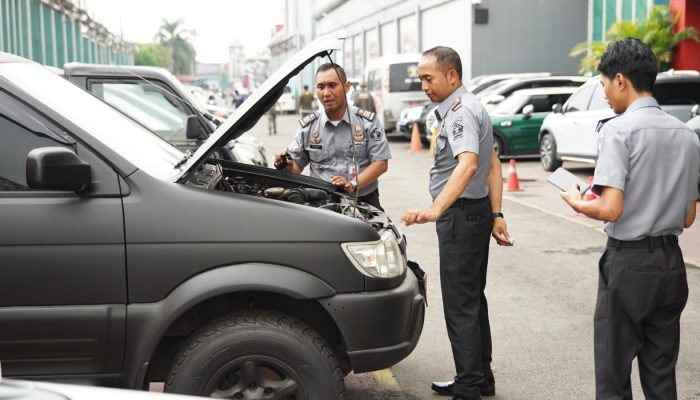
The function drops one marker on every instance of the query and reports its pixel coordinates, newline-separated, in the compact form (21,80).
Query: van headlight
(380,259)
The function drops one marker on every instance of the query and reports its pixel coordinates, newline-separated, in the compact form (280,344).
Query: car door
(573,130)
(62,259)
(526,130)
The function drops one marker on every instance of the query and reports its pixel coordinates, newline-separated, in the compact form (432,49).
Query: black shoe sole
(487,391)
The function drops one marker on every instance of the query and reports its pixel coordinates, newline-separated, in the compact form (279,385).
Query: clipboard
(563,179)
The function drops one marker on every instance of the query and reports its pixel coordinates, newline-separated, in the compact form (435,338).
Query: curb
(688,262)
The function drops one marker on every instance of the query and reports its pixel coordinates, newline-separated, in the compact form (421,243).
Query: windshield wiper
(184,159)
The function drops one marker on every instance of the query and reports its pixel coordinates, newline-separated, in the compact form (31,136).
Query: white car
(287,102)
(568,134)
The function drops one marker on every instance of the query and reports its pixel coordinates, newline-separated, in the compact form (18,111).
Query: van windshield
(404,77)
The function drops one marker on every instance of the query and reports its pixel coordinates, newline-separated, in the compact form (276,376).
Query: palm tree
(657,31)
(178,39)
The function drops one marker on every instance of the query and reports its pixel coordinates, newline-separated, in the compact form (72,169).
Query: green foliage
(154,54)
(173,36)
(657,31)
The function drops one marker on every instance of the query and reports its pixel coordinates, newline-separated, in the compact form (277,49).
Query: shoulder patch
(304,122)
(602,122)
(456,104)
(368,115)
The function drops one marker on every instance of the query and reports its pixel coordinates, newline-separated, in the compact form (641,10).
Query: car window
(677,93)
(146,103)
(21,133)
(579,100)
(512,104)
(403,77)
(598,101)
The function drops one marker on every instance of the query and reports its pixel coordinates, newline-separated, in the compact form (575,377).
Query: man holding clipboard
(646,178)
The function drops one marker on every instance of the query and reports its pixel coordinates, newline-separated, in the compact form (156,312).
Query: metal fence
(54,32)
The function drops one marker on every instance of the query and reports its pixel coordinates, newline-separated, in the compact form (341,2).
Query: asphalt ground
(541,291)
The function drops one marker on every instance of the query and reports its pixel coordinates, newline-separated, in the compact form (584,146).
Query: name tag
(316,146)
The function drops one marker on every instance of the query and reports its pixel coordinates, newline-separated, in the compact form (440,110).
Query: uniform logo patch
(457,131)
(376,135)
(315,138)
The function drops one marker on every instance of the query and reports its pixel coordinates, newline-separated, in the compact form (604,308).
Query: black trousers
(372,199)
(642,290)
(464,232)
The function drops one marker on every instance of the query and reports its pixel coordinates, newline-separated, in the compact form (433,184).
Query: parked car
(517,119)
(481,82)
(394,83)
(498,92)
(694,124)
(417,115)
(287,102)
(154,98)
(131,262)
(569,132)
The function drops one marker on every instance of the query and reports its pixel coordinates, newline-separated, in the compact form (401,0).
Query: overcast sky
(217,22)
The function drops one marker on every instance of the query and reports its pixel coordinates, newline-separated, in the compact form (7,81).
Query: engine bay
(267,183)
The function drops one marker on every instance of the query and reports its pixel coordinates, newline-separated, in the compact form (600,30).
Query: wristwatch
(498,215)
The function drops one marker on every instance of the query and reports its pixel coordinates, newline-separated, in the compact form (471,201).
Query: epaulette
(456,104)
(368,115)
(603,122)
(304,122)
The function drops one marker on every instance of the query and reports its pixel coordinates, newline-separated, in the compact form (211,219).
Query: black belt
(656,242)
(462,201)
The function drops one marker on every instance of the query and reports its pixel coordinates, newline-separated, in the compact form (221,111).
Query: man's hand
(572,197)
(500,232)
(283,162)
(342,182)
(420,216)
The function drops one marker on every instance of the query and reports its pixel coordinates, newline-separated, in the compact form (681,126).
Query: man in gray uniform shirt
(646,177)
(466,185)
(326,140)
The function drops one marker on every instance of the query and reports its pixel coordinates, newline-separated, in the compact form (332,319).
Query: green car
(516,120)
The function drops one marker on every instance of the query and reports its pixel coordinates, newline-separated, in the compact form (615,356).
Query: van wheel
(257,354)
(548,153)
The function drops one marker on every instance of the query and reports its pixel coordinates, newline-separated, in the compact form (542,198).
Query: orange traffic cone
(589,194)
(513,184)
(416,143)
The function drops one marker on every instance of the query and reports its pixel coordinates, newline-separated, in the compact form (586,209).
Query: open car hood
(247,115)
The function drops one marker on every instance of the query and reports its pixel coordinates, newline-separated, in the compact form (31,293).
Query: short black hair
(306,87)
(327,66)
(633,59)
(447,58)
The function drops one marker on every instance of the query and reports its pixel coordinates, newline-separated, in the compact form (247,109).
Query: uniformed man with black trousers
(646,176)
(334,142)
(463,208)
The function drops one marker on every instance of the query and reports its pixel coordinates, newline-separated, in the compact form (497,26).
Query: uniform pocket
(317,155)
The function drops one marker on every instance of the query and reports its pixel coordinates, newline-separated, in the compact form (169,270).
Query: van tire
(254,353)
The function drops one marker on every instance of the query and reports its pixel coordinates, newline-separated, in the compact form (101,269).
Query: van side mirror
(557,108)
(194,129)
(57,168)
(695,111)
(495,99)
(528,110)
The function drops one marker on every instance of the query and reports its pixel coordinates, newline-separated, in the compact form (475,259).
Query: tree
(178,39)
(154,54)
(657,31)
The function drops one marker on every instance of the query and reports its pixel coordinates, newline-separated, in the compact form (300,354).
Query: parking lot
(541,291)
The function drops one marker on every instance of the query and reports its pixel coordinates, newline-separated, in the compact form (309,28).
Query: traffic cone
(589,194)
(513,184)
(416,143)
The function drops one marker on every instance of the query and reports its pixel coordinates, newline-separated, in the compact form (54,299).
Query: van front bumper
(379,328)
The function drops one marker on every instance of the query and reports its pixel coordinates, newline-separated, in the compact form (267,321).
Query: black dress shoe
(488,388)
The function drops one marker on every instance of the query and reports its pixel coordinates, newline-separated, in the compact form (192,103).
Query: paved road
(541,292)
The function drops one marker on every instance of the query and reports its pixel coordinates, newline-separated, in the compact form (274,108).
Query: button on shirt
(327,148)
(654,158)
(463,126)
